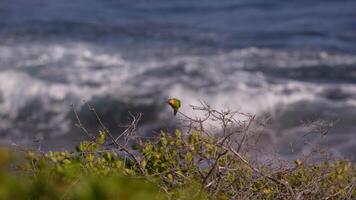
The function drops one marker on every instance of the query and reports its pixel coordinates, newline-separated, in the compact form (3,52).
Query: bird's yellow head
(175,104)
(171,102)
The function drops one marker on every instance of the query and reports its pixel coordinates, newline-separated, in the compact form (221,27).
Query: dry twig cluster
(213,150)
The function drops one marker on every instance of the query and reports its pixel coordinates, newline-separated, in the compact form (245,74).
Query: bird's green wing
(178,103)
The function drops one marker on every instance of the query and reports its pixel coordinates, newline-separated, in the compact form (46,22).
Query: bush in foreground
(189,164)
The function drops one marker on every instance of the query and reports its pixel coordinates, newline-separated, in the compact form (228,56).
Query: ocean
(293,61)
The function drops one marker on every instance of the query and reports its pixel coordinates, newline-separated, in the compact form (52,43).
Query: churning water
(292,60)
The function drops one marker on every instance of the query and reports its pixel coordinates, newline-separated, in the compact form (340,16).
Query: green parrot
(175,104)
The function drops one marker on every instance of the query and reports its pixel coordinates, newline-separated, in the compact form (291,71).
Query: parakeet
(175,104)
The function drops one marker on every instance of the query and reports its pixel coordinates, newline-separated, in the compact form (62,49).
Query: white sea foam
(57,75)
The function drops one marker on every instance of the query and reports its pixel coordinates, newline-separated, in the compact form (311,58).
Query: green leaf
(189,157)
(101,138)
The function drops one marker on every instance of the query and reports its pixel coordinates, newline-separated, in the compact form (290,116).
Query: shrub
(190,163)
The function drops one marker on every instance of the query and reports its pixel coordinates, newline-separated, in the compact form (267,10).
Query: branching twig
(120,147)
(80,125)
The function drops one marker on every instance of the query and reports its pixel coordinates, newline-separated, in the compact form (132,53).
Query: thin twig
(120,147)
(80,125)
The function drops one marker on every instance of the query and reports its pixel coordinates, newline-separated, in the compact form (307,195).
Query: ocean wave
(39,82)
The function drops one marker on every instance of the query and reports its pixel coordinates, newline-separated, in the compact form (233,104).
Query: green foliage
(177,166)
(180,159)
(69,175)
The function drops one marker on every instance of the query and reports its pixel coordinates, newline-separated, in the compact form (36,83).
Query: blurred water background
(291,60)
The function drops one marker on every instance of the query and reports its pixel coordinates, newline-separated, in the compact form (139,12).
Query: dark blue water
(292,60)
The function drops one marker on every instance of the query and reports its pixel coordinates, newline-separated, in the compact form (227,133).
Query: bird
(175,104)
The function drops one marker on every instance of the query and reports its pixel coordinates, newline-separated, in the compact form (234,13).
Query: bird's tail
(175,112)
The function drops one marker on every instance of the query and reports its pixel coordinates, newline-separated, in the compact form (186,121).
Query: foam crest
(38,82)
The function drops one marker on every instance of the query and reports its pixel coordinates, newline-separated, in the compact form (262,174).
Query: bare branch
(80,125)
